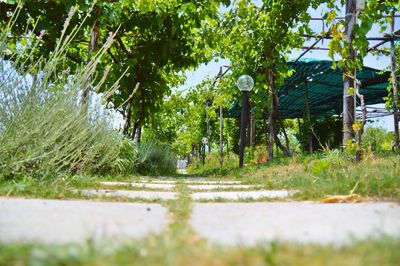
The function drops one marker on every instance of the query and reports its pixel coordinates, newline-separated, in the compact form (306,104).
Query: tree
(257,42)
(154,39)
(352,46)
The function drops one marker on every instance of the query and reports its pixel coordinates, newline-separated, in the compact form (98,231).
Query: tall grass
(44,126)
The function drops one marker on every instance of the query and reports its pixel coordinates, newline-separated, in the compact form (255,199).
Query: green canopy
(315,80)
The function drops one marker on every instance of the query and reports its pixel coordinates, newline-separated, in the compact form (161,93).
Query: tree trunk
(221,137)
(271,119)
(348,99)
(286,140)
(134,131)
(394,88)
(139,134)
(128,118)
(360,131)
(308,117)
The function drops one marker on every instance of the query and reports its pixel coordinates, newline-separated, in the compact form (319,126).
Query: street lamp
(245,83)
(204,140)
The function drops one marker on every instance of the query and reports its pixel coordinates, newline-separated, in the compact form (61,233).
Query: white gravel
(241,195)
(66,221)
(299,222)
(142,194)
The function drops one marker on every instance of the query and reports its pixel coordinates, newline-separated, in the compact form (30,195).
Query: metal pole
(243,127)
(394,86)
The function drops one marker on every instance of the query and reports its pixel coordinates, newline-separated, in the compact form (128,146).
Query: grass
(321,175)
(59,188)
(162,250)
(180,245)
(314,177)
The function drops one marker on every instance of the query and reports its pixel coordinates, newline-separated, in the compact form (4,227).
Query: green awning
(323,86)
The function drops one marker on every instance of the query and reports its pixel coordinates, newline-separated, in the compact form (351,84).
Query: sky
(383,62)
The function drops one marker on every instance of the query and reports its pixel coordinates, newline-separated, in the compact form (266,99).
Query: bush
(377,139)
(212,164)
(155,159)
(325,133)
(44,127)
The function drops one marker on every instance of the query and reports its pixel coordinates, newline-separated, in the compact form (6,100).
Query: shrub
(155,159)
(44,127)
(377,139)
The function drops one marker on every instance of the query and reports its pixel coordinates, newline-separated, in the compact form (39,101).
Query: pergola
(315,88)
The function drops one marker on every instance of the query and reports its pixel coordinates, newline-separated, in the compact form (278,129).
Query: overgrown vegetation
(47,129)
(316,176)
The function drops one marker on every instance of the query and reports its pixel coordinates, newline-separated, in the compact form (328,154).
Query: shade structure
(318,83)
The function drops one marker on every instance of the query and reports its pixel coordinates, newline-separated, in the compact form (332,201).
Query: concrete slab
(164,186)
(66,221)
(162,181)
(143,194)
(222,186)
(299,222)
(212,182)
(238,195)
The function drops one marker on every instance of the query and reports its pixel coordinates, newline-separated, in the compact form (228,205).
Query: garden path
(224,211)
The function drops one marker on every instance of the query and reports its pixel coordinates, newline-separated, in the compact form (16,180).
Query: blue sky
(381,62)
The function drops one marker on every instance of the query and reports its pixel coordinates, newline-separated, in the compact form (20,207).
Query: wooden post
(348,99)
(308,117)
(221,137)
(394,87)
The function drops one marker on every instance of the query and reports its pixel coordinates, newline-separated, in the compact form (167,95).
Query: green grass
(59,188)
(321,175)
(314,177)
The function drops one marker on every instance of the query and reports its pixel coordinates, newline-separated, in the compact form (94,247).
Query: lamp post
(245,84)
(204,140)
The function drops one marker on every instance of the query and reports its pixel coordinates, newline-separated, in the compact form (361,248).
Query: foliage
(212,165)
(154,41)
(377,139)
(325,133)
(44,128)
(155,159)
